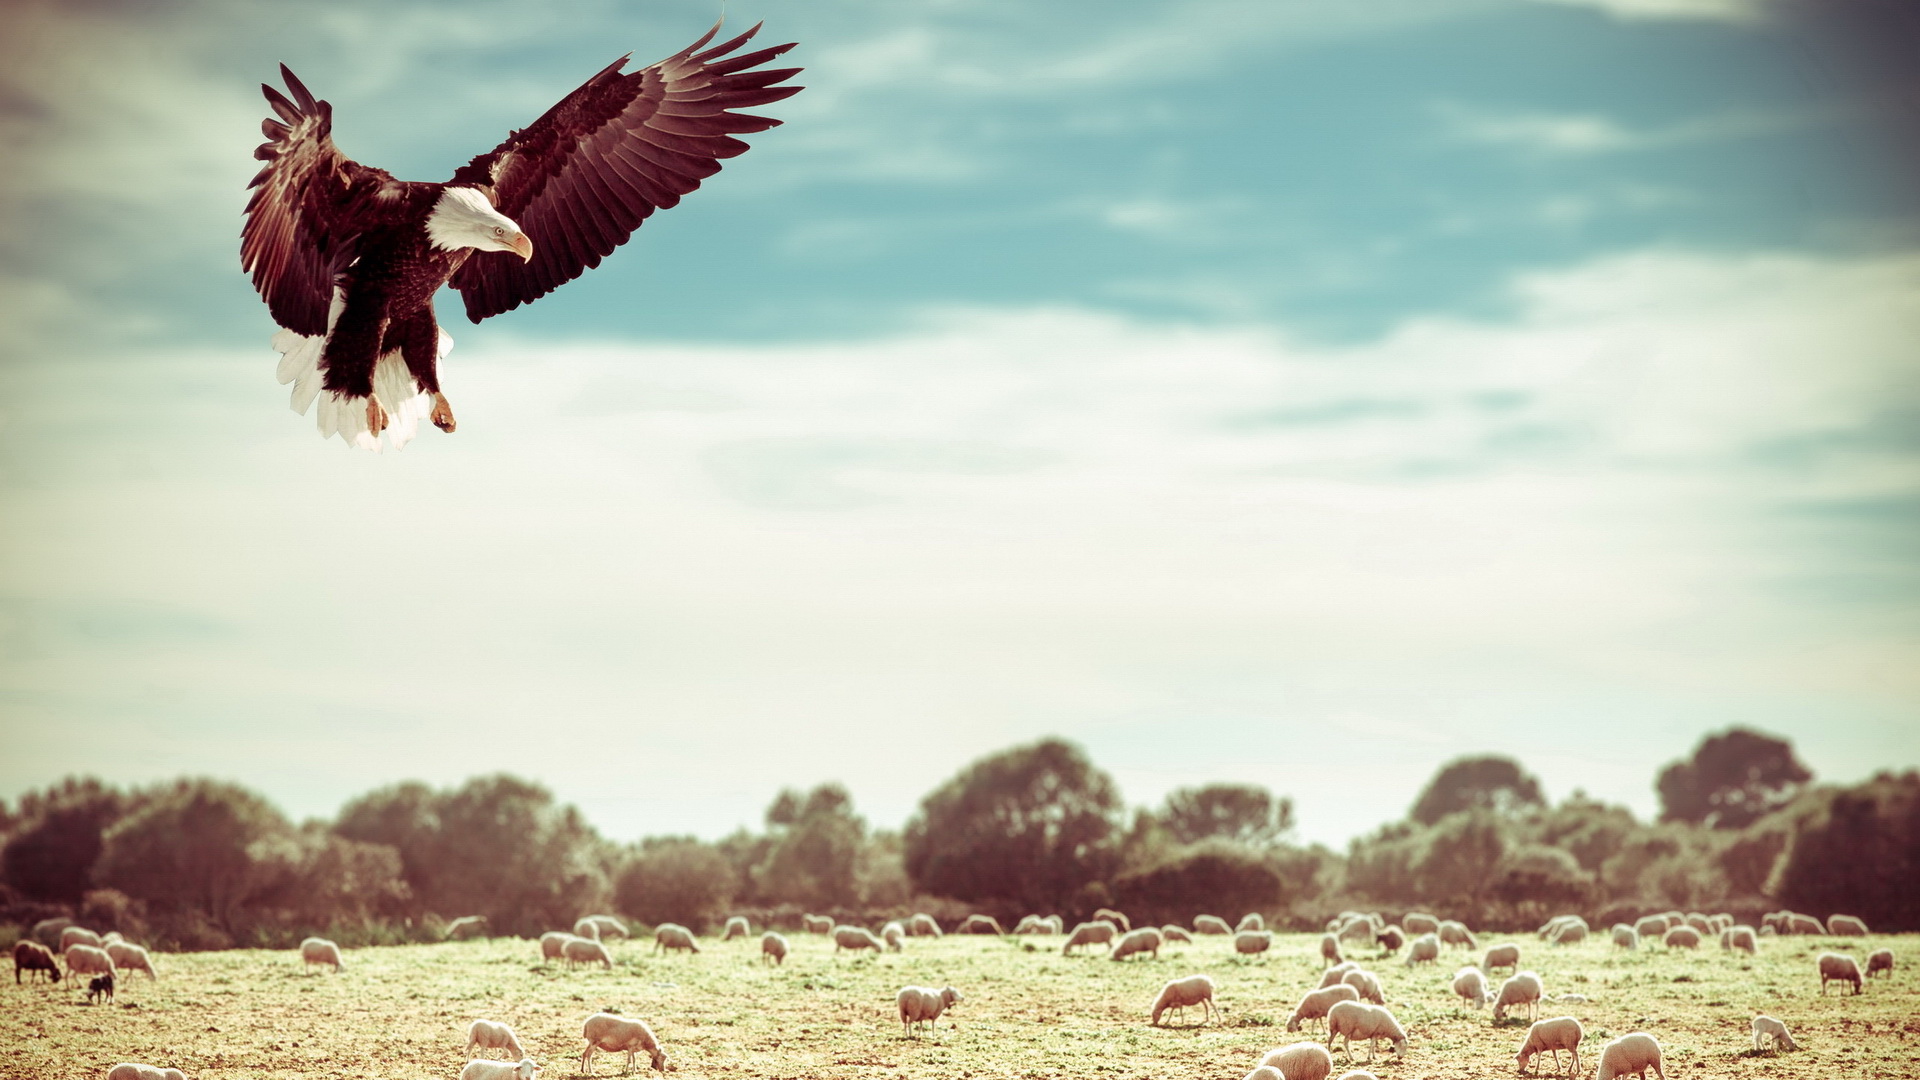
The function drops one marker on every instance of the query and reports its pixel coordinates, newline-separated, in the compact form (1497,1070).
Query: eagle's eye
(498,231)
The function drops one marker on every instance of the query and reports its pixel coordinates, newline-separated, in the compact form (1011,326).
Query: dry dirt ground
(1028,1013)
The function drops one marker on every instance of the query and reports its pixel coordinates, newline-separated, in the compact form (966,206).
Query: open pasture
(1028,1012)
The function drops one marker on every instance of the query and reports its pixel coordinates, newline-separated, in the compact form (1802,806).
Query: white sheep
(1803,924)
(895,935)
(604,1031)
(317,950)
(1744,939)
(1455,933)
(923,925)
(737,926)
(1144,940)
(1250,921)
(773,947)
(1330,949)
(980,924)
(1651,926)
(1030,924)
(923,1005)
(669,936)
(524,1069)
(1174,933)
(1055,925)
(553,944)
(1337,972)
(819,924)
(1881,960)
(129,957)
(1682,937)
(1358,1074)
(1470,984)
(1834,967)
(855,938)
(1846,926)
(1503,956)
(609,927)
(1524,988)
(1625,937)
(1419,922)
(78,935)
(579,950)
(1117,918)
(1367,984)
(1555,1035)
(133,1070)
(491,1035)
(1350,1020)
(1252,942)
(1699,921)
(586,928)
(1424,950)
(1552,926)
(1630,1054)
(1300,1061)
(1570,933)
(1265,1072)
(110,937)
(1315,1004)
(1774,1031)
(1358,929)
(466,926)
(1088,933)
(1180,993)
(1210,924)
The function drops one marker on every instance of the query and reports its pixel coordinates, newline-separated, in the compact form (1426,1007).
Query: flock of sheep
(1349,999)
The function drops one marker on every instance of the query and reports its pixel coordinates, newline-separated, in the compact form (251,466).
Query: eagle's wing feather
(583,177)
(308,207)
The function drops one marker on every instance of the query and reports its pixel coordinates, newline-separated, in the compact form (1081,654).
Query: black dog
(100,985)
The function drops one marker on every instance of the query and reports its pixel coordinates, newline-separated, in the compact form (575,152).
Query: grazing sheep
(1424,950)
(1174,933)
(1571,933)
(1523,988)
(524,1069)
(922,925)
(1350,1020)
(604,1031)
(1846,926)
(78,935)
(773,947)
(110,937)
(100,986)
(1803,924)
(1553,926)
(133,1070)
(1055,925)
(1300,1061)
(47,932)
(1210,924)
(1250,921)
(1682,937)
(1390,939)
(1880,961)
(131,958)
(1555,1035)
(923,1005)
(1774,1031)
(1625,937)
(553,944)
(1264,1072)
(464,927)
(895,935)
(33,956)
(1030,924)
(579,950)
(1721,920)
(1144,940)
(1118,919)
(1743,938)
(1367,984)
(1250,942)
(737,926)
(1358,1074)
(1768,931)
(980,924)
(1337,972)
(1419,922)
(1700,922)
(586,928)
(609,927)
(1651,926)
(1315,1004)
(489,1035)
(1834,967)
(1180,993)
(668,936)
(1502,956)
(855,938)
(1630,1054)
(318,950)
(1330,949)
(1454,933)
(1088,933)
(1470,984)
(1358,929)
(819,924)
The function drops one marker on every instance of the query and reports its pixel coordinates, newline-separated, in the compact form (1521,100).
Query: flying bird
(348,258)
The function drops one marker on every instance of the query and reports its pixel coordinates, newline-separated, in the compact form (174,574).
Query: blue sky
(1284,392)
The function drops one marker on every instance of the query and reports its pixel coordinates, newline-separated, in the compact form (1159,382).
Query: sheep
(553,944)
(78,935)
(1419,922)
(1635,1053)
(33,956)
(586,928)
(524,1069)
(609,927)
(855,938)
(1210,924)
(1742,938)
(1315,1004)
(1559,922)
(1721,920)
(1391,938)
(1055,925)
(1625,937)
(464,927)
(1682,937)
(1133,942)
(895,935)
(133,1070)
(1350,1020)
(1359,929)
(1846,926)
(1523,988)
(1118,919)
(1333,975)
(489,1035)
(737,926)
(773,947)
(980,924)
(1088,933)
(581,950)
(1557,1034)
(1804,924)
(1470,984)
(1424,950)
(1358,1074)
(47,932)
(1700,922)
(1264,1072)
(1834,967)
(604,1031)
(1503,956)
(1651,926)
(1775,1032)
(110,937)
(100,986)
(1454,933)
(819,924)
(1250,921)
(1367,984)
(1174,933)
(1330,950)
(922,925)
(1300,1061)
(1180,993)
(668,936)
(318,950)
(923,1005)
(131,958)
(1250,942)
(1571,933)
(1880,961)
(1030,924)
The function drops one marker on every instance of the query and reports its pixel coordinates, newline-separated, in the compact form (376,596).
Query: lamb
(1316,1003)
(1180,993)
(1682,937)
(318,950)
(1350,1020)
(1470,984)
(980,924)
(1144,940)
(1523,988)
(464,927)
(1174,933)
(1250,921)
(1333,975)
(855,938)
(1834,967)
(131,958)
(1625,937)
(79,935)
(553,944)
(1650,926)
(524,1069)
(1419,922)
(1300,1061)
(1367,985)
(668,936)
(1881,961)
(1742,938)
(489,1035)
(1118,919)
(1775,1032)
(33,956)
(1506,956)
(773,947)
(1088,933)
(736,927)
(579,950)
(133,1070)
(1330,949)
(1210,924)
(1846,926)
(1635,1054)
(1424,950)
(1454,933)
(1391,938)
(604,1031)
(923,1005)
(922,925)
(820,924)
(895,935)
(87,960)
(1250,942)
(100,986)
(1555,1035)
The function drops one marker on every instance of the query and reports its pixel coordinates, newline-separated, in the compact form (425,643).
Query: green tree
(814,857)
(51,853)
(1733,779)
(1463,854)
(1860,855)
(675,879)
(191,849)
(1214,874)
(1490,782)
(1242,813)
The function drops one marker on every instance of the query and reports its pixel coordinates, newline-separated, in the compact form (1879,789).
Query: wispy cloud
(1730,11)
(1574,134)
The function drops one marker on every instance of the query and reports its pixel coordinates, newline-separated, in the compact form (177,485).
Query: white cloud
(1730,11)
(1575,134)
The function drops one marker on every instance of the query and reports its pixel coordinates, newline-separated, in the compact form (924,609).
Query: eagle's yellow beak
(524,246)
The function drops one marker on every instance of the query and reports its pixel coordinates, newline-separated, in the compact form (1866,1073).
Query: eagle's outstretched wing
(583,177)
(307,210)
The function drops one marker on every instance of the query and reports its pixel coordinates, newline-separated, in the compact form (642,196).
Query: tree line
(199,863)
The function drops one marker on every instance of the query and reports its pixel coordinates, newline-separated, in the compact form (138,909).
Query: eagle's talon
(376,418)
(442,413)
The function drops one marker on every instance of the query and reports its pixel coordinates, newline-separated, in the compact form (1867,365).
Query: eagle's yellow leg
(442,412)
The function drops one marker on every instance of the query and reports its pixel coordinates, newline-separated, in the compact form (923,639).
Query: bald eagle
(348,258)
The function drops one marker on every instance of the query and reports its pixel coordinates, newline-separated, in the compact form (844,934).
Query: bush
(1213,875)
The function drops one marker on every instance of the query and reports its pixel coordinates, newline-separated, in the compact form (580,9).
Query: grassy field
(1028,1012)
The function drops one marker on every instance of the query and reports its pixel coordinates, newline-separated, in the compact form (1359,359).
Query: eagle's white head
(463,218)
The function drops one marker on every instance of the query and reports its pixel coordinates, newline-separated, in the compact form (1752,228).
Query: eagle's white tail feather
(393,386)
